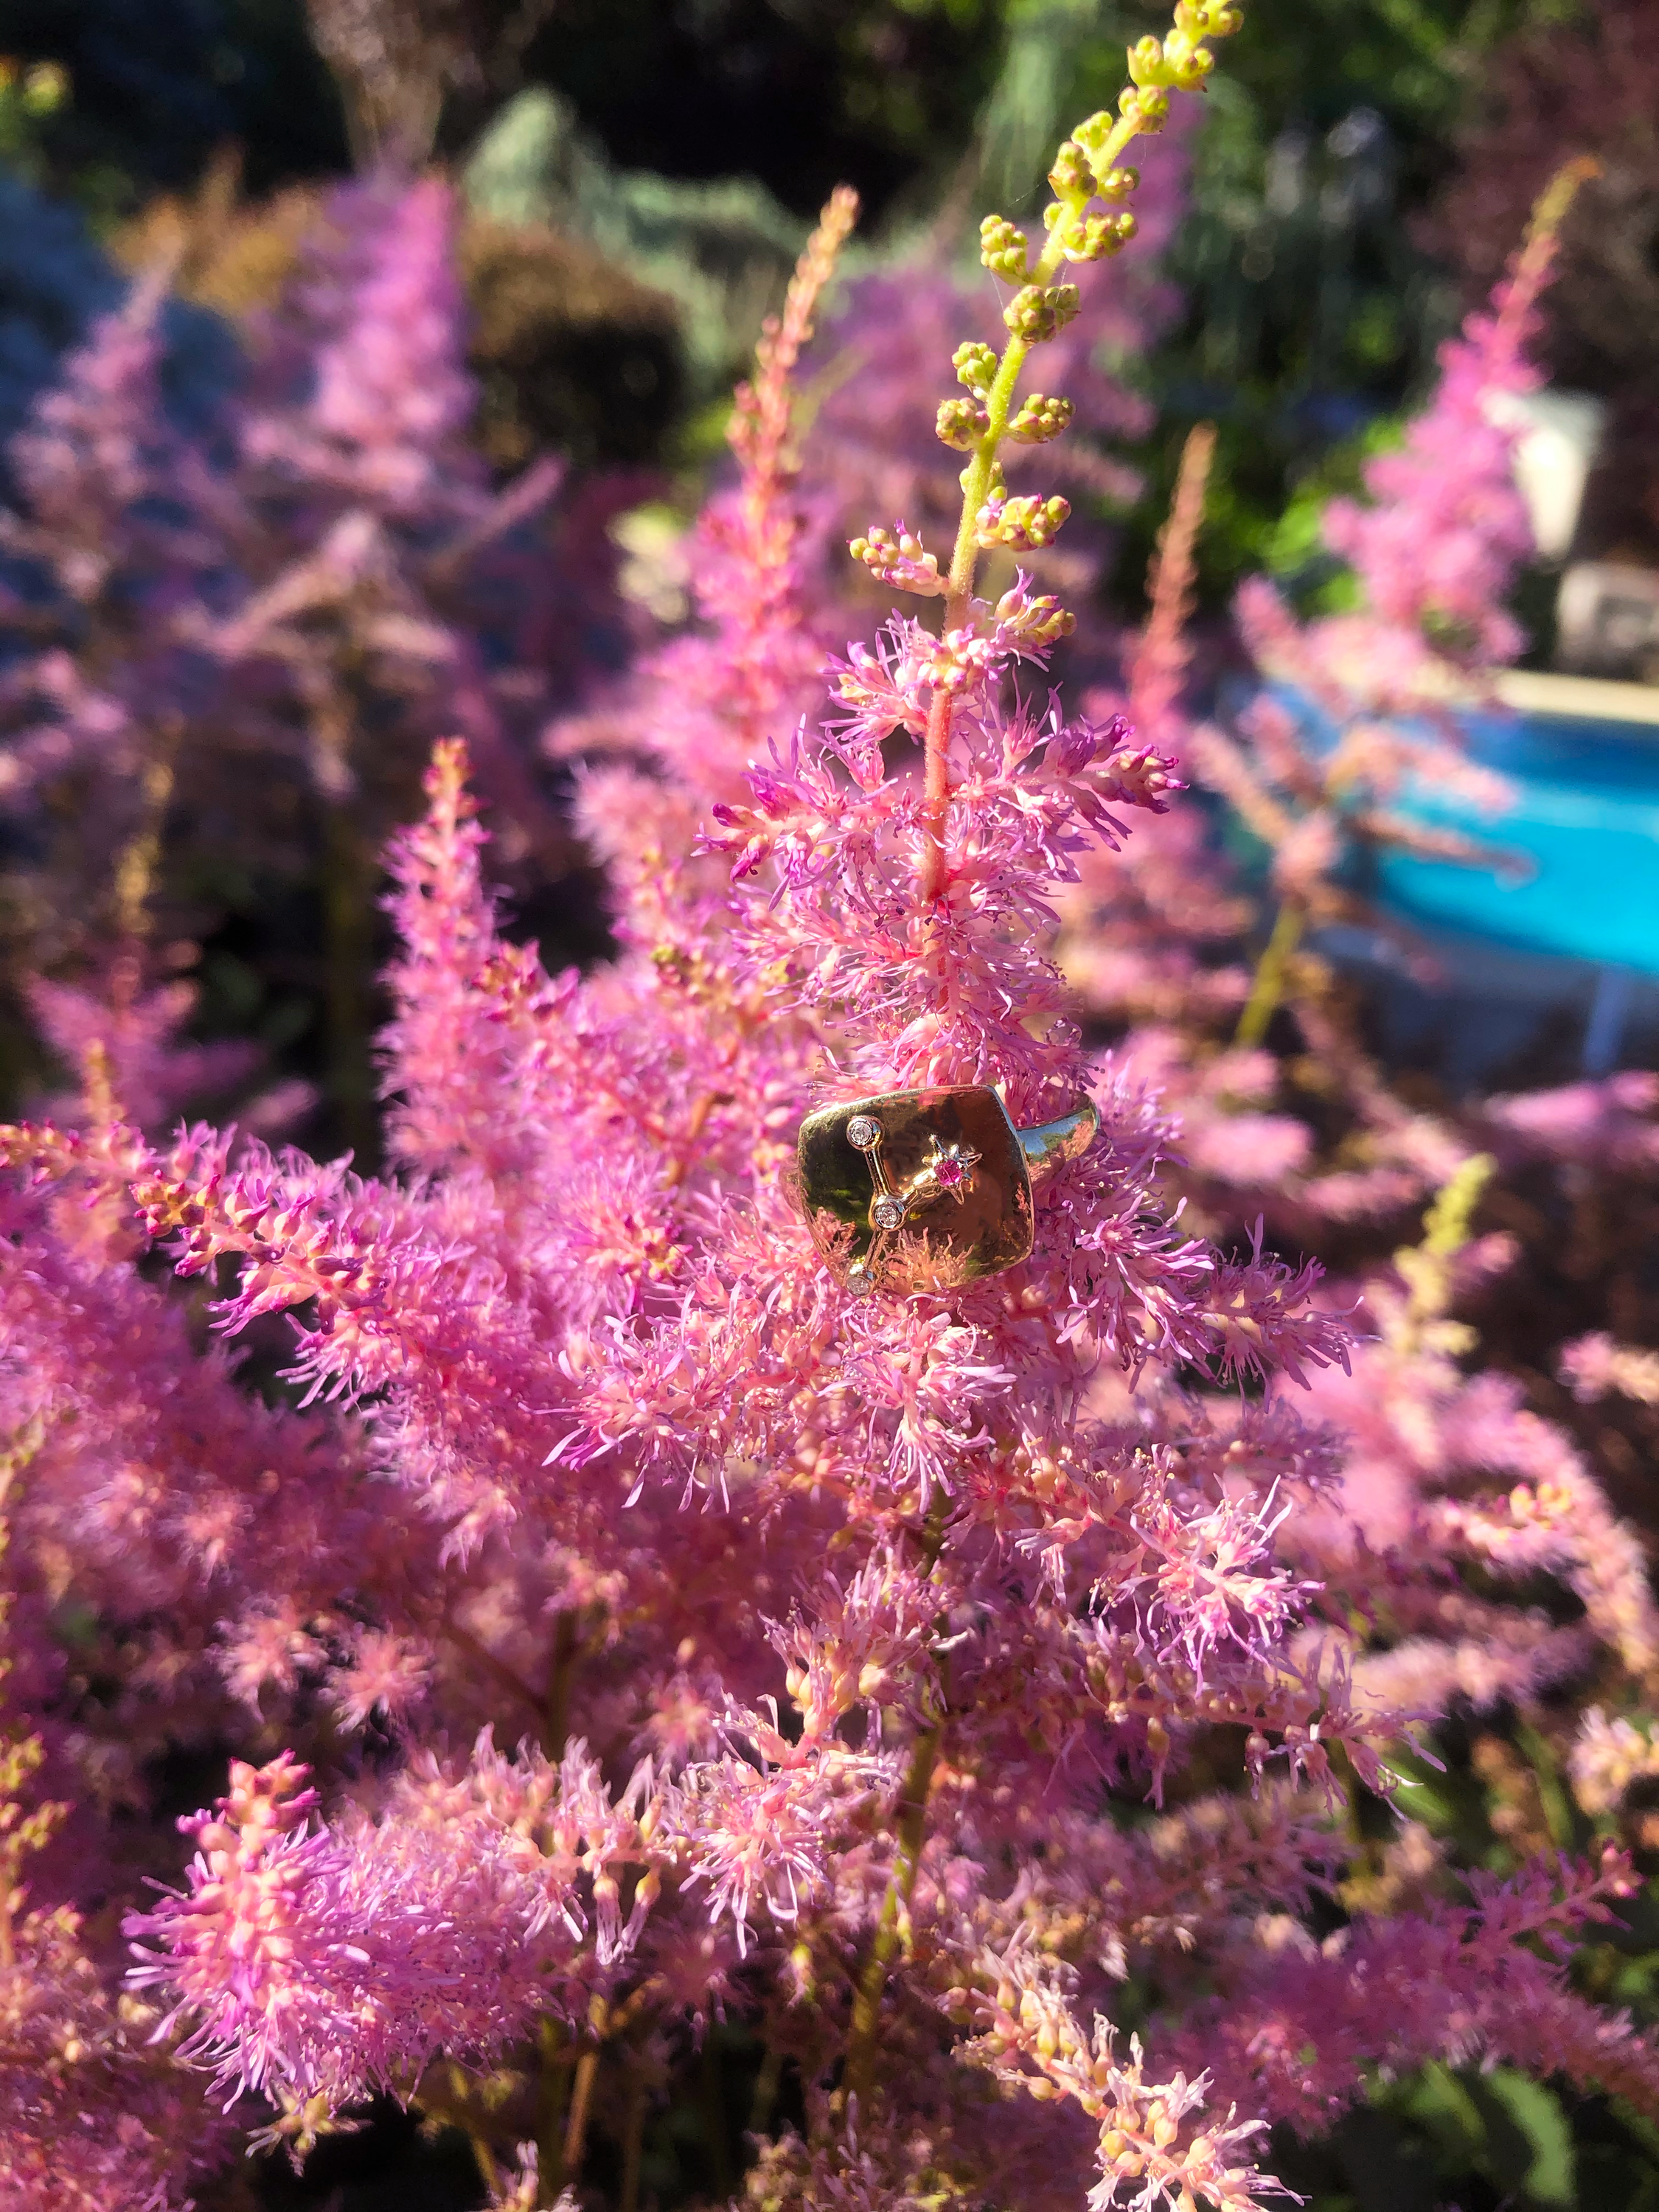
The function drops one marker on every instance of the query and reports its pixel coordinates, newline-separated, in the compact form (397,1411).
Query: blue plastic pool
(1585,817)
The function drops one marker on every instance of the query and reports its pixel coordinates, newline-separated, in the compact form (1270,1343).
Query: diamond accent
(863,1133)
(888,1213)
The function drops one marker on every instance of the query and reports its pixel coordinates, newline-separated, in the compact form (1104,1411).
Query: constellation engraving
(948,1171)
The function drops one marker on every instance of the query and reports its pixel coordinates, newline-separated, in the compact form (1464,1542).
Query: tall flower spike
(1089,163)
(701,707)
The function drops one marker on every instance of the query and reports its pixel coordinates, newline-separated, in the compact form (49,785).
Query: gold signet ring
(928,1189)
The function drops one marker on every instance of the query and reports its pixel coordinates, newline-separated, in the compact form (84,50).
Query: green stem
(484,2159)
(575,2134)
(550,2117)
(767,2082)
(567,1648)
(714,2116)
(1271,975)
(633,2144)
(348,922)
(858,2077)
(444,2097)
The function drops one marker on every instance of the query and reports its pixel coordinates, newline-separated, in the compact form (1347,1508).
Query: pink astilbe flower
(1151,2153)
(1435,554)
(1438,546)
(126,1038)
(338,1961)
(1459,1985)
(847,1635)
(699,709)
(1610,1122)
(94,2122)
(1363,714)
(1447,1473)
(388,392)
(1609,1759)
(229,626)
(763,1828)
(1596,1367)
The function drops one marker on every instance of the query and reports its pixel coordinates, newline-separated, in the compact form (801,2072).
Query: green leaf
(1546,2174)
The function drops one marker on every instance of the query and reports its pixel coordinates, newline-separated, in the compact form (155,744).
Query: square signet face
(917,1189)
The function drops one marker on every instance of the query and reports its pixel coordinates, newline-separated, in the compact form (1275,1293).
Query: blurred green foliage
(1312,314)
(799,95)
(154,87)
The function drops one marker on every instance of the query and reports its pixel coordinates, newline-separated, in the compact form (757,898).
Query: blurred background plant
(362,369)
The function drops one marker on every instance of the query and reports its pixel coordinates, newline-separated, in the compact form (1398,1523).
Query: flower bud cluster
(976,366)
(961,423)
(1181,61)
(900,560)
(1031,624)
(1039,419)
(1003,249)
(1073,177)
(1036,312)
(1026,523)
(1032,2039)
(1097,237)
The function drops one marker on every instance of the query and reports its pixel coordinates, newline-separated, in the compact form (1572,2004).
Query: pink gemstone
(948,1173)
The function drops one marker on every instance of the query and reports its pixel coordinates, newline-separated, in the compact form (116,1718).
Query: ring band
(928,1189)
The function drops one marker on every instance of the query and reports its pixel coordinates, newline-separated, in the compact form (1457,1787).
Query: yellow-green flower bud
(1099,236)
(976,366)
(1092,133)
(1002,249)
(1148,107)
(1024,524)
(961,423)
(1072,176)
(1147,66)
(45,87)
(1037,311)
(1188,63)
(1039,419)
(901,561)
(1118,184)
(1208,19)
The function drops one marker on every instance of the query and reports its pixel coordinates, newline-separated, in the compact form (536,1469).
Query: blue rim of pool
(1581,840)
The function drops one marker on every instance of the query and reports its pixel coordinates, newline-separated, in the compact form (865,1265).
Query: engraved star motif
(949,1168)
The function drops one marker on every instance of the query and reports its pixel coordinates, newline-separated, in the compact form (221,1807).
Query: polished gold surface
(1066,1138)
(917,1189)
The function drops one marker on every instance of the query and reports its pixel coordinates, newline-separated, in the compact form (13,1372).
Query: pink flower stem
(935,797)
